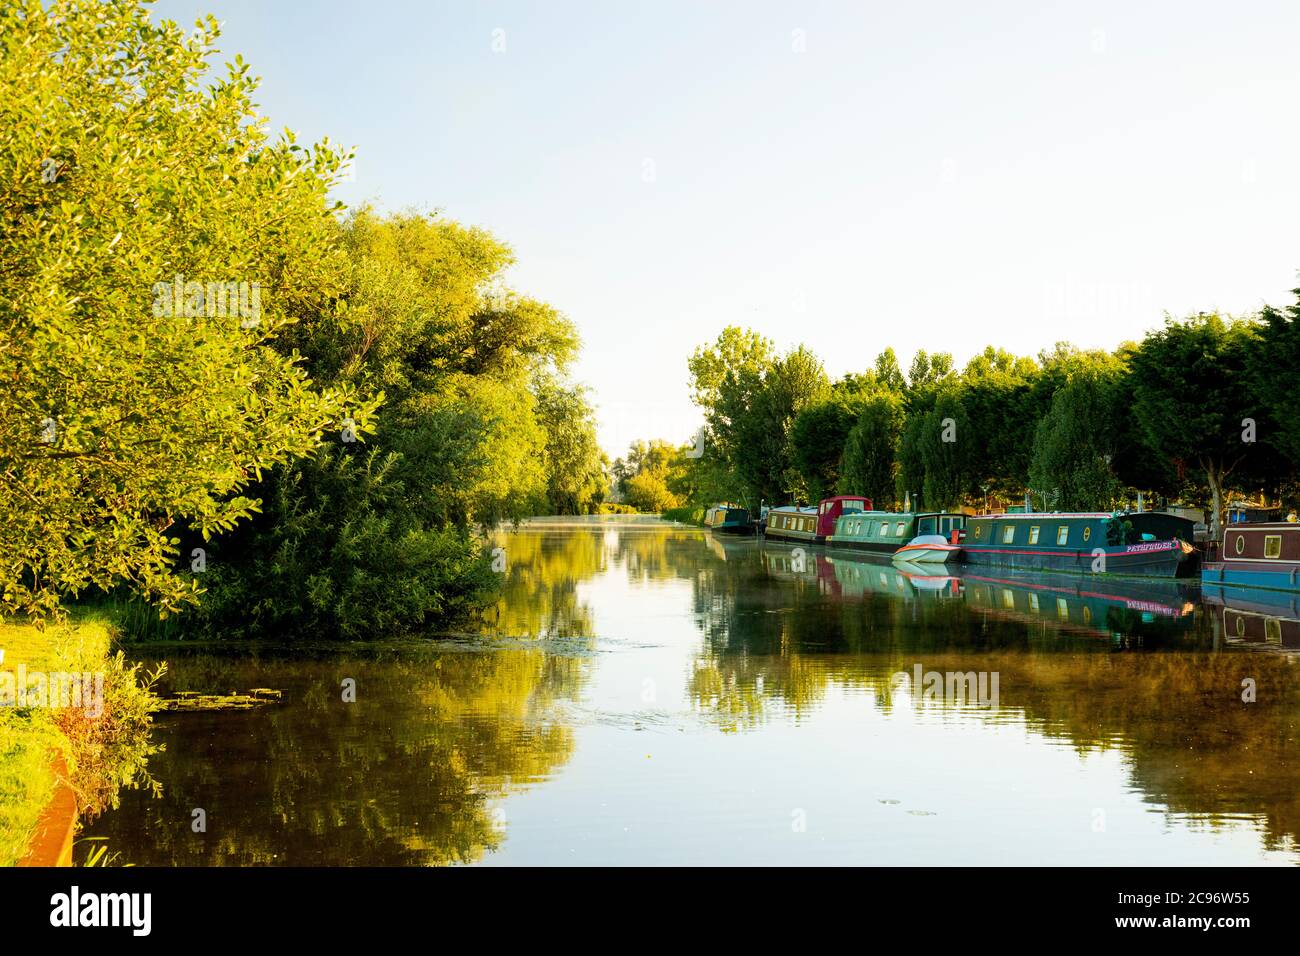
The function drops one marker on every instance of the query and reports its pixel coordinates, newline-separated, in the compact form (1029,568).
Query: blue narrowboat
(1260,555)
(1148,543)
(812,525)
(728,518)
(884,532)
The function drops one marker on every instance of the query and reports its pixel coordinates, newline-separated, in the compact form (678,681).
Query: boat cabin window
(899,530)
(884,529)
(925,526)
(1272,546)
(1241,543)
(1033,535)
(1087,532)
(1009,534)
(1063,534)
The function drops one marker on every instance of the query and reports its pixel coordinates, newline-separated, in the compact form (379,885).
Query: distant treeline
(225,396)
(1198,409)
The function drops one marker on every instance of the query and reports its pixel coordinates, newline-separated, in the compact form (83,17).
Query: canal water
(647,694)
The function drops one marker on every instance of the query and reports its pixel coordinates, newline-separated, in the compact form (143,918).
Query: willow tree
(153,243)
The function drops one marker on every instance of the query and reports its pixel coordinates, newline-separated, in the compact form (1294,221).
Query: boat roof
(1237,525)
(1049,514)
(1075,514)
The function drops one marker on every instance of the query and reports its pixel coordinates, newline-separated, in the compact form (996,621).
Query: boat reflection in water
(1254,616)
(1126,610)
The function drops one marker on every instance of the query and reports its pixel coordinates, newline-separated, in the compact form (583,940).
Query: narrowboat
(813,525)
(1147,543)
(728,518)
(1258,616)
(861,576)
(1129,608)
(1261,555)
(885,532)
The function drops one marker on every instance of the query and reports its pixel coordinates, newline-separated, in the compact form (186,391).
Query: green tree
(647,472)
(1276,353)
(887,373)
(1075,441)
(947,452)
(929,370)
(1192,406)
(761,420)
(575,465)
(817,439)
(137,396)
(360,543)
(868,466)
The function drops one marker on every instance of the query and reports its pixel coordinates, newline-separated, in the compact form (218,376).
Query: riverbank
(74,729)
(687,515)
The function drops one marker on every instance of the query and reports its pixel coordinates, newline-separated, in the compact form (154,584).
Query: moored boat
(1258,555)
(728,518)
(1147,543)
(813,525)
(885,532)
(928,549)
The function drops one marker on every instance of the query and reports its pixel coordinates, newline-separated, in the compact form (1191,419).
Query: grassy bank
(105,744)
(686,515)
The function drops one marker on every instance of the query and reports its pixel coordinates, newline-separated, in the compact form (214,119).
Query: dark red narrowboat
(813,525)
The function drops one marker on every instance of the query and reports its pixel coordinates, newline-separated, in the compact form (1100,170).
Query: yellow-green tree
(154,241)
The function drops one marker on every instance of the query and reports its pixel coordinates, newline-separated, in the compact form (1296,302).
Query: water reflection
(647,693)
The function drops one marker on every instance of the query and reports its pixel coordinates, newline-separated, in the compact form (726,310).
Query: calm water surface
(648,695)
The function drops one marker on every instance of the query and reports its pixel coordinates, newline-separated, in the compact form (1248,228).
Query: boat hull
(869,547)
(795,537)
(735,529)
(1250,574)
(1157,559)
(927,554)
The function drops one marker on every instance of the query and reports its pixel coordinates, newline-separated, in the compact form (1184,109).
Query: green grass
(28,735)
(687,515)
(101,753)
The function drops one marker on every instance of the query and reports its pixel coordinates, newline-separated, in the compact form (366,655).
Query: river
(646,694)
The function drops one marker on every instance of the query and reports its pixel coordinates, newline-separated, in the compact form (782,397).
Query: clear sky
(846,175)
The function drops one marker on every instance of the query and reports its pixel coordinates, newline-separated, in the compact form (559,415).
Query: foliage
(123,418)
(817,439)
(868,466)
(644,477)
(1192,405)
(1077,439)
(1273,359)
(575,465)
(105,746)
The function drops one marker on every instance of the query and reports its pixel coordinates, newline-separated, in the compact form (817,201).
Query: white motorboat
(928,549)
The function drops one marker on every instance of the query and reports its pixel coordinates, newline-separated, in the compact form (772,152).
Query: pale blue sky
(846,175)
